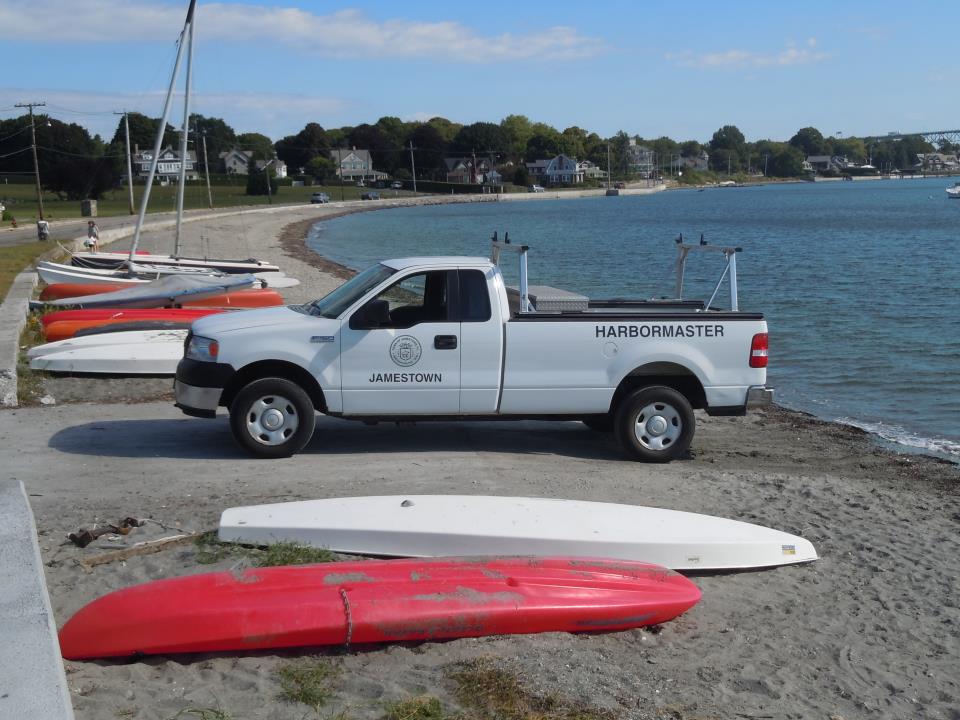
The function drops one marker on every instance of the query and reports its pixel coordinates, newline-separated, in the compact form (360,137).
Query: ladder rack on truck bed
(542,298)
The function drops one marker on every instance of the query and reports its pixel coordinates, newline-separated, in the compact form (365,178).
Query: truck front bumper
(759,396)
(199,386)
(197,401)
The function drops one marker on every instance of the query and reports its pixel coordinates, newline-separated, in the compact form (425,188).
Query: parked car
(319,197)
(396,185)
(535,188)
(370,195)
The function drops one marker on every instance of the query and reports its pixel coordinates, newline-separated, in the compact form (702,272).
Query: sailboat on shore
(138,264)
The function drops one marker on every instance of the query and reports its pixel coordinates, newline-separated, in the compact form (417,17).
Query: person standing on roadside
(92,243)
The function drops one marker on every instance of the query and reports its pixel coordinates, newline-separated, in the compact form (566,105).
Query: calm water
(860,282)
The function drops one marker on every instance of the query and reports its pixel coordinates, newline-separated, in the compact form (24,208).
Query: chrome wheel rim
(272,420)
(658,426)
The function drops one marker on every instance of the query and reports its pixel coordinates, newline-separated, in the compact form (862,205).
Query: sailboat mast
(184,135)
(159,140)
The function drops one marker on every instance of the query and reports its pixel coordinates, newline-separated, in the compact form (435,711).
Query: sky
(681,69)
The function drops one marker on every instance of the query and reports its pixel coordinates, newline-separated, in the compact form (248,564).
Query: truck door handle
(445,342)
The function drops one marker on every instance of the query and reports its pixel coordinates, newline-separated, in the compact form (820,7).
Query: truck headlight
(202,349)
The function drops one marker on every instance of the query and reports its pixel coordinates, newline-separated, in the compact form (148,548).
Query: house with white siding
(354,165)
(168,166)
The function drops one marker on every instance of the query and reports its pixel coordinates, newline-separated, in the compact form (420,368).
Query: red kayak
(127,315)
(67,324)
(375,601)
(58,291)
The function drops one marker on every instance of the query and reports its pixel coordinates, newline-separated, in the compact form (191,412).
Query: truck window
(474,297)
(416,299)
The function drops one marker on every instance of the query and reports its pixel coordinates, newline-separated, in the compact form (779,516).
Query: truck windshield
(330,306)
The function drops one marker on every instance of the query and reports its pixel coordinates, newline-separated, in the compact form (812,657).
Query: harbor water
(859,282)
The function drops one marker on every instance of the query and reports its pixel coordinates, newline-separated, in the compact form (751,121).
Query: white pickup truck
(431,338)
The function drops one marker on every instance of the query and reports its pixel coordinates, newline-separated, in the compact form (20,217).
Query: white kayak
(436,525)
(129,337)
(146,357)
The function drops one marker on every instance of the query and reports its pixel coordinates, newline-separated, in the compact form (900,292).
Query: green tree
(220,138)
(517,131)
(257,183)
(543,145)
(297,150)
(143,132)
(691,149)
(445,127)
(385,155)
(480,137)
(810,141)
(260,145)
(521,176)
(727,148)
(322,169)
(787,161)
(573,142)
(431,149)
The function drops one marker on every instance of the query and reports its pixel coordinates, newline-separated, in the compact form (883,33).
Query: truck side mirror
(374,314)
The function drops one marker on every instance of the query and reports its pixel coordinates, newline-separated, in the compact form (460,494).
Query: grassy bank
(14,259)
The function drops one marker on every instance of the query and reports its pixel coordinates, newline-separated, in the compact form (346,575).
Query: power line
(15,152)
(23,129)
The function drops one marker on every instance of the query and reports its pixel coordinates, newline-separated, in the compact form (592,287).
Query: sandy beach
(871,630)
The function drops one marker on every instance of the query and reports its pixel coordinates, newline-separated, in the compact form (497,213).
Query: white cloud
(341,34)
(790,55)
(273,114)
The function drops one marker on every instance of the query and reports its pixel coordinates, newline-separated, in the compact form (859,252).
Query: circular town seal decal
(405,350)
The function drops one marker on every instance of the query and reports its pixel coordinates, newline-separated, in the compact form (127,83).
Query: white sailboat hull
(114,259)
(436,525)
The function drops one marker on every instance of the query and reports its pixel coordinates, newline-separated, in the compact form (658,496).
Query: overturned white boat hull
(436,525)
(127,337)
(156,355)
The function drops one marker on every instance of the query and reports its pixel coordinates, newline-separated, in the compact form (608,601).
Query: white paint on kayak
(436,525)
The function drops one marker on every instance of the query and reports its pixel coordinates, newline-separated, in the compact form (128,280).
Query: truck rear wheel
(272,417)
(654,424)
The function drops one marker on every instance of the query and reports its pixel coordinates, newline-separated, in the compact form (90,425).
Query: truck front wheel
(654,424)
(272,417)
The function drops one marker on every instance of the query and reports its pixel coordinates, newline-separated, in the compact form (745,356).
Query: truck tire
(272,417)
(654,424)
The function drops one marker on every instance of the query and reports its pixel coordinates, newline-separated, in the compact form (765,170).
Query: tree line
(77,165)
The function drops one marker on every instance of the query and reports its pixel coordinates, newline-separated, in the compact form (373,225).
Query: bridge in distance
(934,137)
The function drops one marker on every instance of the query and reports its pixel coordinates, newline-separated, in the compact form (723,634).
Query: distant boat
(954,192)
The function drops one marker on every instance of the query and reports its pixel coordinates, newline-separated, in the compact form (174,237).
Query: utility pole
(728,164)
(413,169)
(33,145)
(765,158)
(206,166)
(126,134)
(608,166)
(340,171)
(266,171)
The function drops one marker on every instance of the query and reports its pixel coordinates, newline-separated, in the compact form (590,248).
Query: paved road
(64,230)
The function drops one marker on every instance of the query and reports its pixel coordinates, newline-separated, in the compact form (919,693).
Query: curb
(13,317)
(34,683)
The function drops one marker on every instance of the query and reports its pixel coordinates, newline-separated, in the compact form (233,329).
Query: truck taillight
(758,351)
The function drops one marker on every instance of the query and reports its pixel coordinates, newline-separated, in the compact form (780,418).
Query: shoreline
(293,239)
(866,631)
